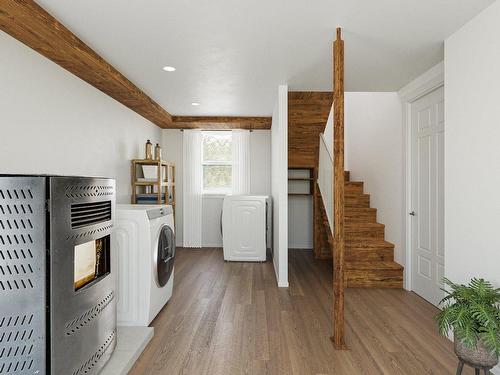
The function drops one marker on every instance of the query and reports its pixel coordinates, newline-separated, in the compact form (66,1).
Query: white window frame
(219,191)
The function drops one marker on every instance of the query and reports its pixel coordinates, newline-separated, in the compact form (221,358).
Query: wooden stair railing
(338,192)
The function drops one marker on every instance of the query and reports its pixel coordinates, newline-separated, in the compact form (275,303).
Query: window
(217,156)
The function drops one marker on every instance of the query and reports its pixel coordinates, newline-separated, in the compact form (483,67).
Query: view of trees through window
(217,161)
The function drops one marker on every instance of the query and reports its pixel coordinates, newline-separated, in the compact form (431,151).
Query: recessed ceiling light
(195,104)
(169,68)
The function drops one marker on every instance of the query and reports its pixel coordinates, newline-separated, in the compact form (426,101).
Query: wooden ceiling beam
(221,123)
(29,23)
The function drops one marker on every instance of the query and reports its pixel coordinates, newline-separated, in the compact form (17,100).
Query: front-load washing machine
(144,249)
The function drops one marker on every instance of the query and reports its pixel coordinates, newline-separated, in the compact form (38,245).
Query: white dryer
(244,228)
(144,253)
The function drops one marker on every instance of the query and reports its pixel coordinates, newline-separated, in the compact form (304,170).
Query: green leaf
(483,313)
(491,339)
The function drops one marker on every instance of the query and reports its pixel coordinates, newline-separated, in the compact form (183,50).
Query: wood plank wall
(307,115)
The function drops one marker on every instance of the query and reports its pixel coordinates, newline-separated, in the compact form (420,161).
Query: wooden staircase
(369,259)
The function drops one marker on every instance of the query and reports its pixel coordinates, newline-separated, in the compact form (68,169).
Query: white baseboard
(282,284)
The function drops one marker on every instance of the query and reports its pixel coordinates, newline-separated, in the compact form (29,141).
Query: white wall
(373,139)
(260,182)
(472,152)
(53,122)
(300,222)
(279,185)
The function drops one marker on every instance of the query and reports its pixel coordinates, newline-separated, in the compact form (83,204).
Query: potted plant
(473,313)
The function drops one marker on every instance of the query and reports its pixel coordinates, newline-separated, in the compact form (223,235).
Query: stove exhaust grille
(85,214)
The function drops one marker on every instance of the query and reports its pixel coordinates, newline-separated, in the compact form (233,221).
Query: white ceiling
(231,55)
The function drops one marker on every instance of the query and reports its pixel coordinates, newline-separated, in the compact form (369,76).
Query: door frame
(423,85)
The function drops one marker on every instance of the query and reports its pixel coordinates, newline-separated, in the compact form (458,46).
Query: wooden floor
(231,318)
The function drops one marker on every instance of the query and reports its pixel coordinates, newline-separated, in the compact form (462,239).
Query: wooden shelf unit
(164,182)
(303,176)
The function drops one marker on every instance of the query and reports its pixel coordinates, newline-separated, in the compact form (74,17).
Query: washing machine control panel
(155,213)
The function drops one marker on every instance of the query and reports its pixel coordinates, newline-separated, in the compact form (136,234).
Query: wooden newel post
(338,192)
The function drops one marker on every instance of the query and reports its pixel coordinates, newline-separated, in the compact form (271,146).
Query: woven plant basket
(478,356)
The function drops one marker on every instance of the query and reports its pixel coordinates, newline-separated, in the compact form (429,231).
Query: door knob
(412,213)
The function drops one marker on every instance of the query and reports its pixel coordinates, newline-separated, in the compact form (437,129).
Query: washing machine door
(165,256)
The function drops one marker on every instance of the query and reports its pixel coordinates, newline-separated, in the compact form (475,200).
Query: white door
(427,196)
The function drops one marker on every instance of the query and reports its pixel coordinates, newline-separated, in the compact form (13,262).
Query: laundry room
(221,187)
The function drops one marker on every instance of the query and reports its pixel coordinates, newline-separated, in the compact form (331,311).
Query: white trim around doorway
(427,82)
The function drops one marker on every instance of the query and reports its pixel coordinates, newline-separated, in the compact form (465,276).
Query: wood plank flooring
(231,318)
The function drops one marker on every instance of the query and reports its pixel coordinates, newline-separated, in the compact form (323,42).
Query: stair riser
(368,255)
(357,205)
(351,188)
(377,233)
(374,278)
(396,284)
(359,201)
(360,217)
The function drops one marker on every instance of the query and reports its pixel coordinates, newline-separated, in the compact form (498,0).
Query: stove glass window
(92,261)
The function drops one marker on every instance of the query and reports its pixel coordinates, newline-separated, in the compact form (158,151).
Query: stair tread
(372,243)
(377,265)
(363,225)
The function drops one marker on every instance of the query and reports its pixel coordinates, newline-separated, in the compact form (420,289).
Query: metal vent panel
(104,229)
(22,275)
(91,365)
(18,367)
(86,191)
(90,213)
(89,316)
